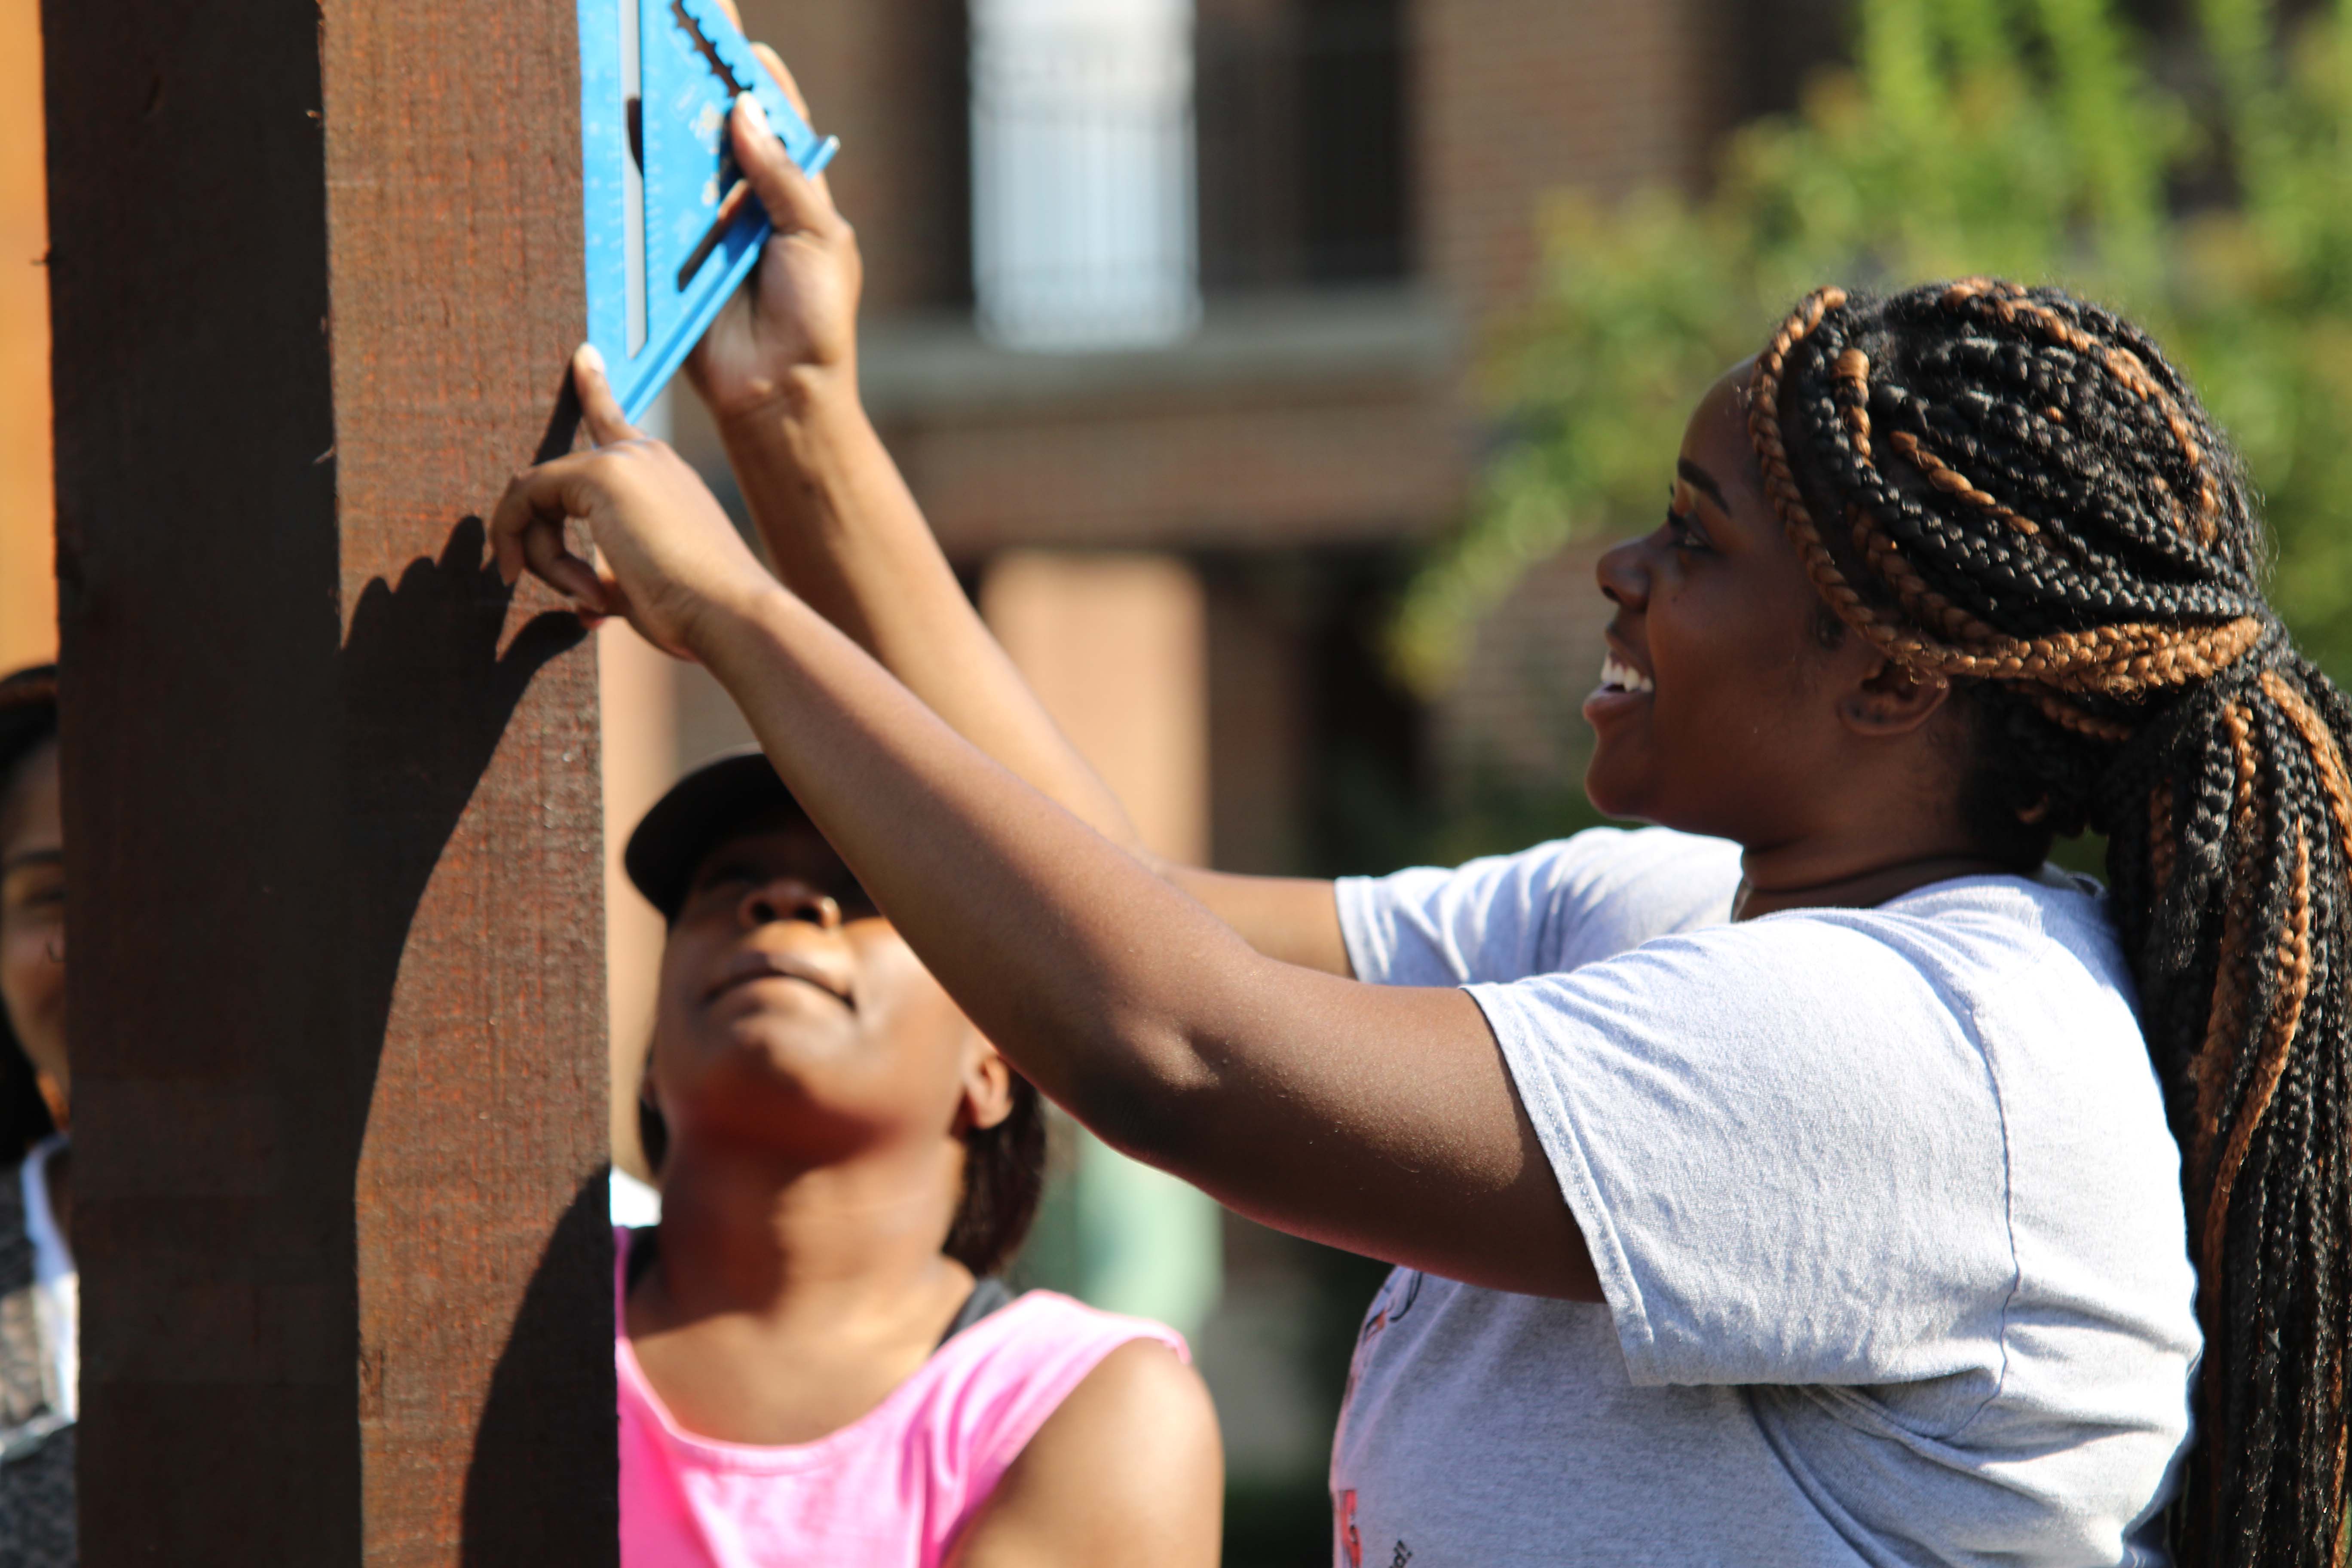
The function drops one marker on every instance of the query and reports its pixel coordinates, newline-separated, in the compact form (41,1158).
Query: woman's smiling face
(1712,715)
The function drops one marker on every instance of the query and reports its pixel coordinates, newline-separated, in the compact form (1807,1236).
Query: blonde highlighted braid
(2038,511)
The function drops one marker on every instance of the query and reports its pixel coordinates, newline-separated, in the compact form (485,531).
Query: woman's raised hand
(796,322)
(670,554)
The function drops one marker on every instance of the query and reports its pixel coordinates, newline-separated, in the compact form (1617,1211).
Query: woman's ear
(987,1087)
(653,1127)
(1891,700)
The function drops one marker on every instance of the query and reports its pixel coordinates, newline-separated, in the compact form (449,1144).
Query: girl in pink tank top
(814,1365)
(896,1486)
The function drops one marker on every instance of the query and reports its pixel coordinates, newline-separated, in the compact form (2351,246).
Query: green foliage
(2028,139)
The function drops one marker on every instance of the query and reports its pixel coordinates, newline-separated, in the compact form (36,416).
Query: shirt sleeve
(1784,1148)
(1552,907)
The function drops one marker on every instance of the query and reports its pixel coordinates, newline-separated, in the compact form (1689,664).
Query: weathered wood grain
(332,805)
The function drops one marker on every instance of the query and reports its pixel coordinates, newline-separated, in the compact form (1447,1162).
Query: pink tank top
(892,1489)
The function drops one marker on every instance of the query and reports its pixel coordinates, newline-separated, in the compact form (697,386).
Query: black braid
(2013,489)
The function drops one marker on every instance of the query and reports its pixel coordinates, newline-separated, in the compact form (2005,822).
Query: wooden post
(332,801)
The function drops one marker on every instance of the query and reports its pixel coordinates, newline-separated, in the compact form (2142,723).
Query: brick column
(1117,648)
(29,604)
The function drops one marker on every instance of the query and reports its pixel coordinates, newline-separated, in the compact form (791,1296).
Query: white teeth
(1616,673)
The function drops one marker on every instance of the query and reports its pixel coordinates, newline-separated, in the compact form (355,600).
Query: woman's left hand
(671,556)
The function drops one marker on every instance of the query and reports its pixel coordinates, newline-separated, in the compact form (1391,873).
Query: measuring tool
(670,231)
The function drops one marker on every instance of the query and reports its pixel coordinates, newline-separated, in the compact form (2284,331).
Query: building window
(1303,147)
(1082,173)
(1128,155)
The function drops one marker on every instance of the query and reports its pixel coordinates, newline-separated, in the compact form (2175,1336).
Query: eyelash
(1685,530)
(731,882)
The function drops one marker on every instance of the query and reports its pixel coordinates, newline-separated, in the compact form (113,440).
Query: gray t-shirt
(1883,1201)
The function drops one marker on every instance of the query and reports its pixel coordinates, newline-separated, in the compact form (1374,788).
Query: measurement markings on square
(656,79)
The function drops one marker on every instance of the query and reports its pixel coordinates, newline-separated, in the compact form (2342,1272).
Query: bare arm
(1128,1473)
(779,370)
(1378,1119)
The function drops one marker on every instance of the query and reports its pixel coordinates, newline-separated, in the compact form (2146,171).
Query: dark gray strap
(644,1242)
(987,1296)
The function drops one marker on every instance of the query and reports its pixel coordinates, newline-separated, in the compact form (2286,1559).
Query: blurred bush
(2210,200)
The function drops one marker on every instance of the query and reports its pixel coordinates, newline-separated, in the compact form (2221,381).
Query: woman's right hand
(671,559)
(792,328)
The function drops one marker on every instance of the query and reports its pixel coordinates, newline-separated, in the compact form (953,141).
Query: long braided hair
(2011,491)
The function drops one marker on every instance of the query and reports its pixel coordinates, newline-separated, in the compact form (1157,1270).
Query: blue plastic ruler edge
(638,379)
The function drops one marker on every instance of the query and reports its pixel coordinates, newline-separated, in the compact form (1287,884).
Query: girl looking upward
(814,1359)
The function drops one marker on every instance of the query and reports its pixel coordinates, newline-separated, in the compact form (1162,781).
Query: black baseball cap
(724,794)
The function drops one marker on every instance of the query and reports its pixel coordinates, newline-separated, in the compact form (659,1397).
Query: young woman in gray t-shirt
(1792,1187)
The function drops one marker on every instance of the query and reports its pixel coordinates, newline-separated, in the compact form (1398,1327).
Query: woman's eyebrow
(1699,479)
(32,857)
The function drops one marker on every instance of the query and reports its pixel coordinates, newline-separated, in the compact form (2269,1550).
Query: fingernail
(754,114)
(593,357)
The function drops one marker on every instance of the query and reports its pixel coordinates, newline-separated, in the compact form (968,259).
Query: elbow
(1147,1093)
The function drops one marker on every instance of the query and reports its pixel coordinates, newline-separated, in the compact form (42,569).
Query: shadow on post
(427,698)
(529,1421)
